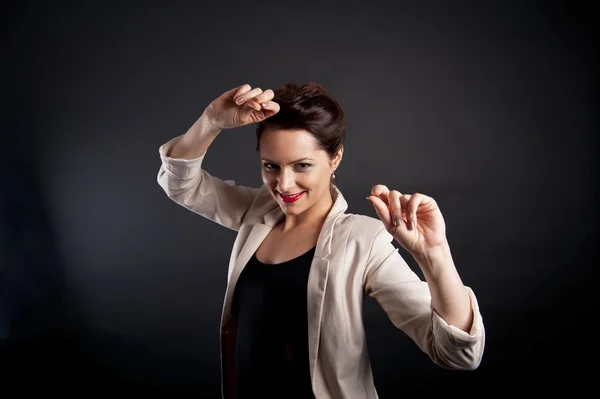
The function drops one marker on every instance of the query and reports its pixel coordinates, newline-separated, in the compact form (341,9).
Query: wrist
(432,252)
(205,126)
(435,261)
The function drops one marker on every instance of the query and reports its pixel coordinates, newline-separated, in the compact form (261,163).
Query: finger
(261,102)
(264,96)
(395,208)
(250,103)
(238,91)
(254,104)
(381,191)
(270,108)
(246,96)
(412,206)
(404,203)
(382,210)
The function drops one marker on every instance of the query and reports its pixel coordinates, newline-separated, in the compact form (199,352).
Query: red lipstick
(291,199)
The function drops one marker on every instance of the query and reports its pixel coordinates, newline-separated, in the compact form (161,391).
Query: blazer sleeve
(407,301)
(186,183)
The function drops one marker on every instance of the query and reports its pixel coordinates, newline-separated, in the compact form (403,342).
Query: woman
(291,324)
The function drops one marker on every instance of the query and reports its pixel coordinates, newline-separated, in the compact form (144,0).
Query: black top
(271,354)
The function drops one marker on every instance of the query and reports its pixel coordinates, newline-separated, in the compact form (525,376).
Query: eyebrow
(297,160)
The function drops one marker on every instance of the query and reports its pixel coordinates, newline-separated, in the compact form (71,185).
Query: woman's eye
(301,166)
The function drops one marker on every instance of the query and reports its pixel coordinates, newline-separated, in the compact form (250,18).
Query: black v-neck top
(271,353)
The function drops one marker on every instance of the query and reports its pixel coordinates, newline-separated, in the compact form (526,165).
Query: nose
(286,180)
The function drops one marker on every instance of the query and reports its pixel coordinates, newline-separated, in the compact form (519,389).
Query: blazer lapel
(256,236)
(317,278)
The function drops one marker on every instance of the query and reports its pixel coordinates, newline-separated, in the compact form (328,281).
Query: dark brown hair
(309,107)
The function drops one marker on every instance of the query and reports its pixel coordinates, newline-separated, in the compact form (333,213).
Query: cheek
(312,180)
(267,178)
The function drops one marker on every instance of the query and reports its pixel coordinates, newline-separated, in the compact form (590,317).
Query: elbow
(458,351)
(461,362)
(163,182)
(469,363)
(467,359)
(174,188)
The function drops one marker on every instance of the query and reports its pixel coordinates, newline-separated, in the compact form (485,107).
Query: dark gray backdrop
(490,109)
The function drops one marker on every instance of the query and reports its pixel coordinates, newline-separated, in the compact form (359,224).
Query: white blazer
(354,257)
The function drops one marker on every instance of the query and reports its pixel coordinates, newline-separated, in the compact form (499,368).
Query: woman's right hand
(241,106)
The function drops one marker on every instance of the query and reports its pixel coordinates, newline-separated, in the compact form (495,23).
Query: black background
(107,286)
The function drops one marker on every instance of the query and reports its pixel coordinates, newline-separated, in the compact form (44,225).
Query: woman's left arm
(440,314)
(417,224)
(448,295)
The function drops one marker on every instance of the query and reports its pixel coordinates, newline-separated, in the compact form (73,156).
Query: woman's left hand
(429,229)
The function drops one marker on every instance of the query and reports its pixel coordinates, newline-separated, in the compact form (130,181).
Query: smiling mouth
(291,198)
(291,195)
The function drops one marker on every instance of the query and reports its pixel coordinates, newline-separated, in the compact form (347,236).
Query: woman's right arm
(181,174)
(194,143)
(185,181)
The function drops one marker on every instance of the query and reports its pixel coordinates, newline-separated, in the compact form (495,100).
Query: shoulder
(263,203)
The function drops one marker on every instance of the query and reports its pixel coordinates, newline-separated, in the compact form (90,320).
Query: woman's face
(292,163)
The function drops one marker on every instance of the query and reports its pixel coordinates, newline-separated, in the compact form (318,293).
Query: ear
(338,157)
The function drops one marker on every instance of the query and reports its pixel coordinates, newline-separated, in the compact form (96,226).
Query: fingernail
(396,221)
(239,100)
(264,104)
(412,225)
